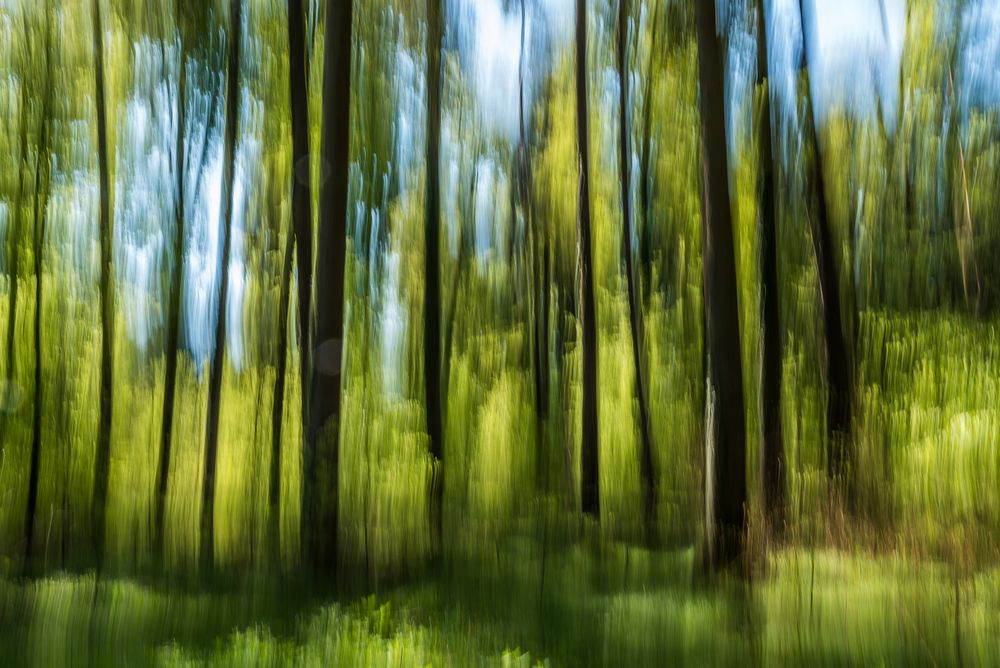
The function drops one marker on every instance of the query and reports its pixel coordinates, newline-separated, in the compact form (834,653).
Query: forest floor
(624,606)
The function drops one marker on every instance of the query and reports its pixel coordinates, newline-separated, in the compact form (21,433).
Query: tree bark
(634,310)
(645,157)
(465,250)
(725,475)
(971,287)
(173,317)
(172,351)
(14,244)
(42,164)
(207,545)
(103,457)
(321,521)
(772,448)
(432,279)
(298,237)
(539,278)
(839,369)
(589,456)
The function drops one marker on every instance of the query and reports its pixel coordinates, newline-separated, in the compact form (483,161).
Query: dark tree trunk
(42,164)
(725,475)
(321,520)
(539,277)
(432,279)
(298,237)
(103,457)
(465,250)
(772,448)
(838,357)
(207,545)
(634,310)
(589,457)
(278,400)
(645,157)
(14,244)
(172,351)
(173,317)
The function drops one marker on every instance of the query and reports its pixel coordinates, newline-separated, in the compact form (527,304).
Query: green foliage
(516,577)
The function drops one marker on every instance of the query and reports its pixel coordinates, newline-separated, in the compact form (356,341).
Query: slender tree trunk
(971,287)
(103,457)
(589,456)
(645,157)
(207,545)
(773,449)
(432,279)
(464,252)
(172,351)
(725,475)
(14,243)
(299,236)
(278,405)
(634,310)
(321,520)
(42,164)
(838,358)
(14,261)
(539,278)
(173,317)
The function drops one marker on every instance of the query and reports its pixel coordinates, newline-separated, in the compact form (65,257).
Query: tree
(331,251)
(839,371)
(538,258)
(173,313)
(725,474)
(42,167)
(645,158)
(219,351)
(772,448)
(432,252)
(14,249)
(961,207)
(299,237)
(103,458)
(174,303)
(589,465)
(634,309)
(172,350)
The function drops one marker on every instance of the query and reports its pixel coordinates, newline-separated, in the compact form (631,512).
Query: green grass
(611,605)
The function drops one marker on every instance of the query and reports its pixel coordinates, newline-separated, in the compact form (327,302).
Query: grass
(612,605)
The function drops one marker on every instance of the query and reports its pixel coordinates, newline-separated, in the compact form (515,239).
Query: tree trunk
(172,351)
(838,358)
(42,163)
(634,310)
(971,287)
(589,456)
(539,278)
(772,448)
(465,250)
(298,237)
(645,156)
(432,287)
(103,457)
(324,411)
(725,475)
(173,318)
(207,545)
(14,243)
